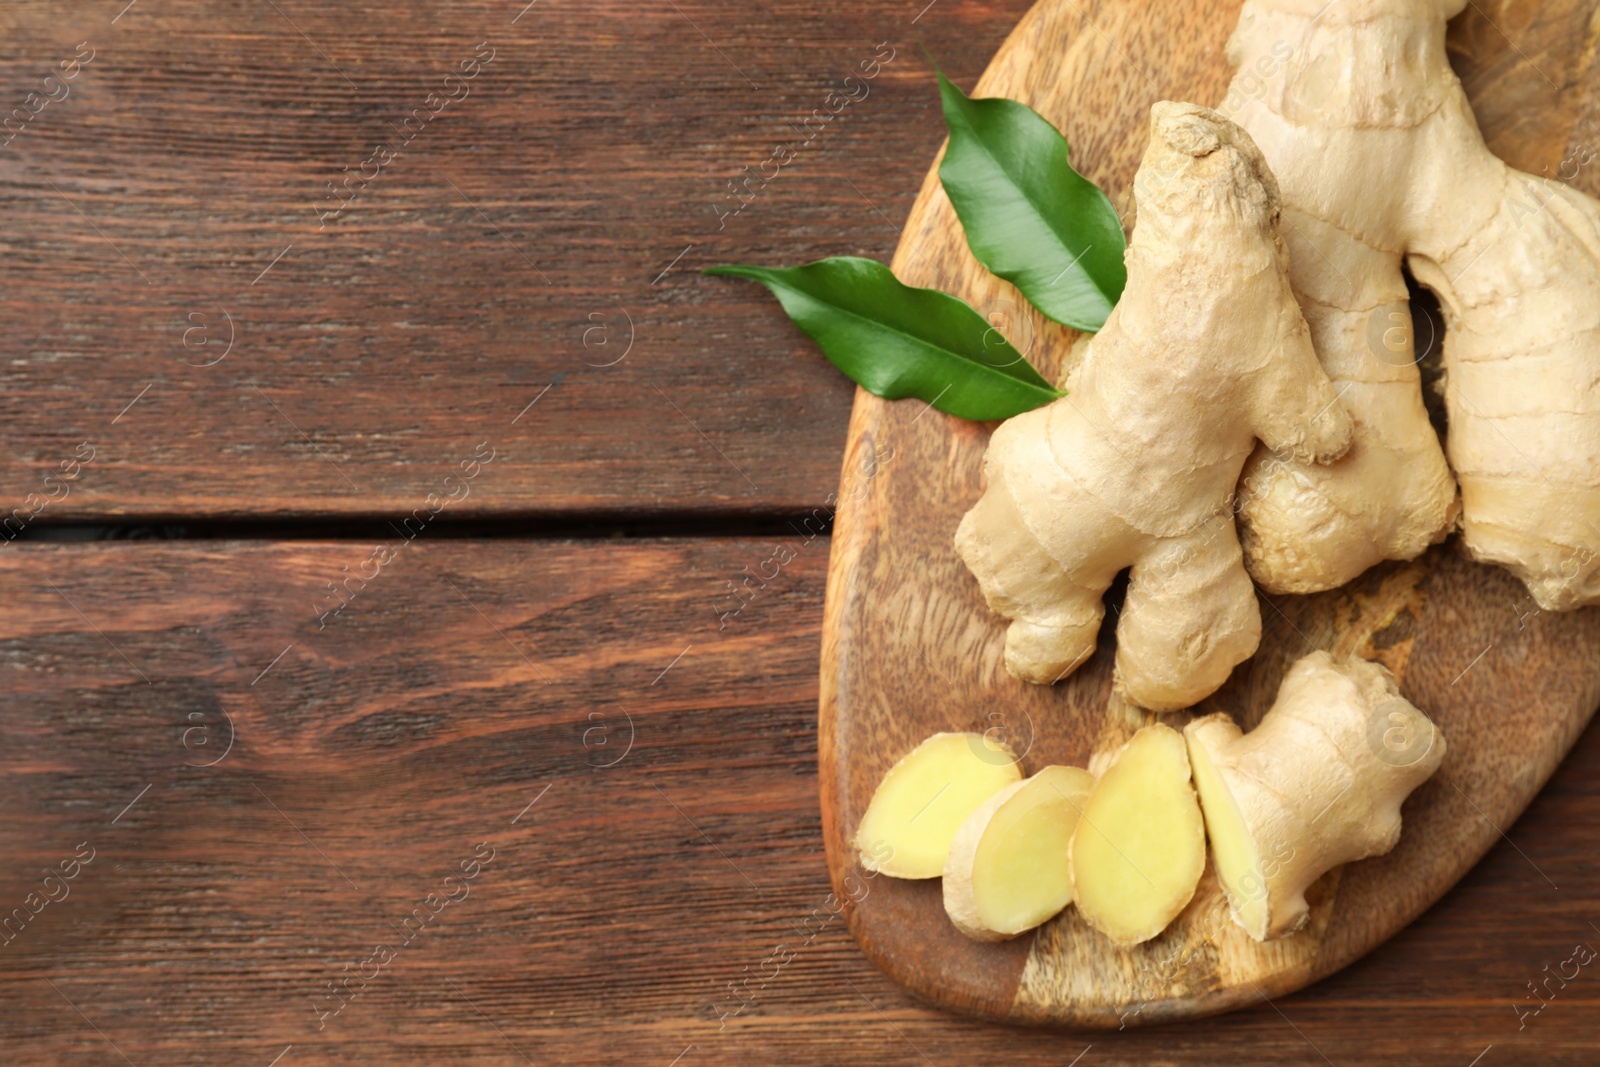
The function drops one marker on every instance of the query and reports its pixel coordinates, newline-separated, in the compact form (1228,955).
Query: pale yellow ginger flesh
(923,800)
(1008,870)
(1140,845)
(1205,353)
(1381,162)
(1318,783)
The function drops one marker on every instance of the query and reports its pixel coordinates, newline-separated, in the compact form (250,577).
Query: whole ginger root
(1318,783)
(1381,162)
(1205,353)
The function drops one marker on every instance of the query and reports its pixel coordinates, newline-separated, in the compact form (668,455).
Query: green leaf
(895,341)
(1029,217)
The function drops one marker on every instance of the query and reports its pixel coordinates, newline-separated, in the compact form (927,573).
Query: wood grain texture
(615,914)
(521,239)
(1512,689)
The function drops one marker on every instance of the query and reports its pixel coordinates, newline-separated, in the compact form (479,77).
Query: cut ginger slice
(1140,846)
(1008,870)
(924,799)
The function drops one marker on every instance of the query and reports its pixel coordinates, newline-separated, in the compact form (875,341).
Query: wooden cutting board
(909,648)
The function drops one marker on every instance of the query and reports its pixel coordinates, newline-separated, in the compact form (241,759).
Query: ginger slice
(1140,846)
(923,800)
(1008,870)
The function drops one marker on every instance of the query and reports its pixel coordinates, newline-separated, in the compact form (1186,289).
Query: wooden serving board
(910,649)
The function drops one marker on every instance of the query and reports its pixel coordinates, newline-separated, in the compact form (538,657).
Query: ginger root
(923,800)
(1008,870)
(1205,353)
(1140,845)
(1380,161)
(1318,783)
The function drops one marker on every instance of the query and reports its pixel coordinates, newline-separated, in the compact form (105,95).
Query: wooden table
(530,794)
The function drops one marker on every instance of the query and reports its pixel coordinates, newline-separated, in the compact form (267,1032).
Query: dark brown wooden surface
(911,649)
(375,754)
(519,240)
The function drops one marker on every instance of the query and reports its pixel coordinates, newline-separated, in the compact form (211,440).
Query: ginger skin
(1318,783)
(1205,353)
(1381,162)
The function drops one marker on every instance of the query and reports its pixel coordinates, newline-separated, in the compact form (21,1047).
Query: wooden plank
(172,200)
(375,754)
